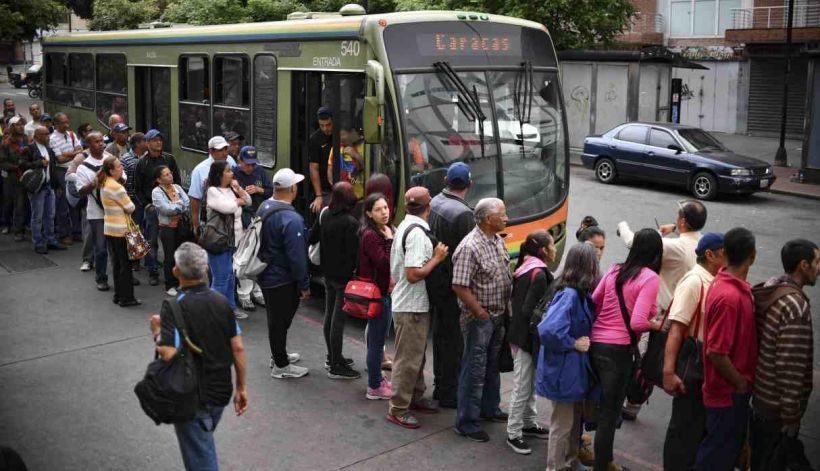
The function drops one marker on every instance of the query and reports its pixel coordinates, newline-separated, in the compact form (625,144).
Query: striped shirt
(61,143)
(783,379)
(117,206)
(481,264)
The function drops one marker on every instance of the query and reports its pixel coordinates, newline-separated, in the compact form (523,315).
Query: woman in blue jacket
(563,362)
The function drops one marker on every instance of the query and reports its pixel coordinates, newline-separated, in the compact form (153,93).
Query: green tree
(23,19)
(122,14)
(205,12)
(272,10)
(82,8)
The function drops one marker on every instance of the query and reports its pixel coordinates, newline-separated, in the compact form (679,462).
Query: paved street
(69,360)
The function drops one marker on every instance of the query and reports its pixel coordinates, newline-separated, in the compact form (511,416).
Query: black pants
(448,348)
(765,435)
(335,319)
(170,242)
(613,365)
(14,205)
(281,304)
(121,269)
(687,427)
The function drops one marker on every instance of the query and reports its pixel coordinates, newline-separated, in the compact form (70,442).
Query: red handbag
(362,299)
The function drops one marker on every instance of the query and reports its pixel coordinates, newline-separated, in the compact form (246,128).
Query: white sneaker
(172,292)
(290,371)
(86,266)
(292,358)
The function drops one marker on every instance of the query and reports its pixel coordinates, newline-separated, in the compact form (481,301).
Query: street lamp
(780,157)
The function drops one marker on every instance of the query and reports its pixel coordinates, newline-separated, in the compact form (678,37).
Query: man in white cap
(217,150)
(285,280)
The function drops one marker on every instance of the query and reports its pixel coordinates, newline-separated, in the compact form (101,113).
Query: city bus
(421,89)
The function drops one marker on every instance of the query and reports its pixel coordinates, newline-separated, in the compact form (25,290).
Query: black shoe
(103,286)
(57,247)
(135,282)
(133,302)
(501,417)
(42,250)
(537,432)
(519,446)
(115,299)
(348,362)
(153,279)
(343,372)
(480,436)
(448,403)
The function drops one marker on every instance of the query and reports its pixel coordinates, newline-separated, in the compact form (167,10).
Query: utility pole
(780,158)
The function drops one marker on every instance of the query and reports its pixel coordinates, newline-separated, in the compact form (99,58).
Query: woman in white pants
(532,279)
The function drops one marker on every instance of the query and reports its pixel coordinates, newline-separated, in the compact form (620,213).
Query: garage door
(766,97)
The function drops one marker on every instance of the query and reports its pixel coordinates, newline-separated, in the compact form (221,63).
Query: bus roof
(341,27)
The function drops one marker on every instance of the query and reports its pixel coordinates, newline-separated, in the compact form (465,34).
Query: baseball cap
(458,175)
(15,120)
(248,155)
(286,178)
(45,117)
(709,241)
(324,112)
(152,134)
(216,142)
(120,127)
(233,135)
(417,196)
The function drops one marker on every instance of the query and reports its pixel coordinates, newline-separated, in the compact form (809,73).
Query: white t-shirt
(406,296)
(85,176)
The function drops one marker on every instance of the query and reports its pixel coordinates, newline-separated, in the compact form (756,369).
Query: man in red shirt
(730,355)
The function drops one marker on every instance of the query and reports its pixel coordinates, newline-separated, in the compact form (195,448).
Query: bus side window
(194,103)
(232,110)
(344,94)
(112,87)
(264,108)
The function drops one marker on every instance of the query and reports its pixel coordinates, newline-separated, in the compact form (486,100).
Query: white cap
(217,142)
(286,178)
(15,120)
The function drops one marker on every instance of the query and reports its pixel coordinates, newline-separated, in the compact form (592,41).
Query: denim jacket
(166,208)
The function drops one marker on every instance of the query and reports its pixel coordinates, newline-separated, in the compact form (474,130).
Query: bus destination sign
(446,44)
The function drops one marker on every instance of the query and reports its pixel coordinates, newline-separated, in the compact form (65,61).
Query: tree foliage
(82,8)
(122,14)
(23,19)
(206,12)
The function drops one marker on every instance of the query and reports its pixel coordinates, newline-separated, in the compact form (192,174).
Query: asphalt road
(69,360)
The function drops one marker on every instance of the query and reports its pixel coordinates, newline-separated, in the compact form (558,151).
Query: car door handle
(611,146)
(650,153)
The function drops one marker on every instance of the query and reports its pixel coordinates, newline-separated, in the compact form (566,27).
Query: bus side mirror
(372,121)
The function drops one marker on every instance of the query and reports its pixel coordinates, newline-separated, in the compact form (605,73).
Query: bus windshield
(527,159)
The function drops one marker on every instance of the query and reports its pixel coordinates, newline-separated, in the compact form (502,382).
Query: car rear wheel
(605,170)
(704,186)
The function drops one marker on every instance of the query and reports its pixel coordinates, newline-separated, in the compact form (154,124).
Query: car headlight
(741,172)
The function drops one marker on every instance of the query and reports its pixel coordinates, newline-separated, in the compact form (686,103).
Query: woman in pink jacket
(636,282)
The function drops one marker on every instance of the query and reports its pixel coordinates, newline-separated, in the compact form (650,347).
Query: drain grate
(21,261)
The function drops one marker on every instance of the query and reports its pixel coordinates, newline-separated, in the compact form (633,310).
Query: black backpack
(438,282)
(169,392)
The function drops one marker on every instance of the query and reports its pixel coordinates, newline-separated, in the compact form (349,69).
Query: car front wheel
(704,186)
(605,170)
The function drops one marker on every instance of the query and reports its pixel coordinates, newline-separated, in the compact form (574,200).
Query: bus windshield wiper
(454,81)
(522,100)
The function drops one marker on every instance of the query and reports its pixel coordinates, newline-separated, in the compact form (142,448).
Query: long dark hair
(215,174)
(581,269)
(646,252)
(367,223)
(534,242)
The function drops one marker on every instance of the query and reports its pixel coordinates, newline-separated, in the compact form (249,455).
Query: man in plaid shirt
(483,283)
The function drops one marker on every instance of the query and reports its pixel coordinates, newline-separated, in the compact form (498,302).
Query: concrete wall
(711,97)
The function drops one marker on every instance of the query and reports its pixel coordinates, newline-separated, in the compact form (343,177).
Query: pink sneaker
(383,392)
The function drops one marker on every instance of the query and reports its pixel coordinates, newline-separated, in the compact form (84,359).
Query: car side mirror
(677,149)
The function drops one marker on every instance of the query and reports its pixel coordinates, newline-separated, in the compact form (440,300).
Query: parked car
(679,155)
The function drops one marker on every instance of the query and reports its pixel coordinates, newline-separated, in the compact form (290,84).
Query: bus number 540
(351,48)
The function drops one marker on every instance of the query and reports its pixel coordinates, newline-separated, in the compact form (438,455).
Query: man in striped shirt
(783,379)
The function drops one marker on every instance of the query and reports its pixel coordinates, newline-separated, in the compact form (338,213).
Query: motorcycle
(14,78)
(34,81)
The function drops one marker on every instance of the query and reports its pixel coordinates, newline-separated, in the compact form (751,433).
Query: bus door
(343,93)
(153,101)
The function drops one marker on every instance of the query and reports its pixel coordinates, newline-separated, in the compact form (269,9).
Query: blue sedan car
(673,154)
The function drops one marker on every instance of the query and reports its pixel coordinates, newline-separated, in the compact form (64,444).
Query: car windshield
(525,164)
(698,140)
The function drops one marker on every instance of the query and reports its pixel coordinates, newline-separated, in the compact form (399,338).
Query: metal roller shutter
(766,96)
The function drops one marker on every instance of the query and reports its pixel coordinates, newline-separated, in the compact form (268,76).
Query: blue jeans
(42,217)
(222,275)
(196,440)
(376,334)
(479,384)
(150,229)
(725,433)
(100,249)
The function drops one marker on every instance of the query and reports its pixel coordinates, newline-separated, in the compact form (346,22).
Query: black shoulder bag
(169,393)
(638,390)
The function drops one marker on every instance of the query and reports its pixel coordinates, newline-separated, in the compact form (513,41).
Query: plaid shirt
(129,166)
(481,263)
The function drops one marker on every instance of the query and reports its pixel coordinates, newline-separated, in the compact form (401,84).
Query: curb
(792,193)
